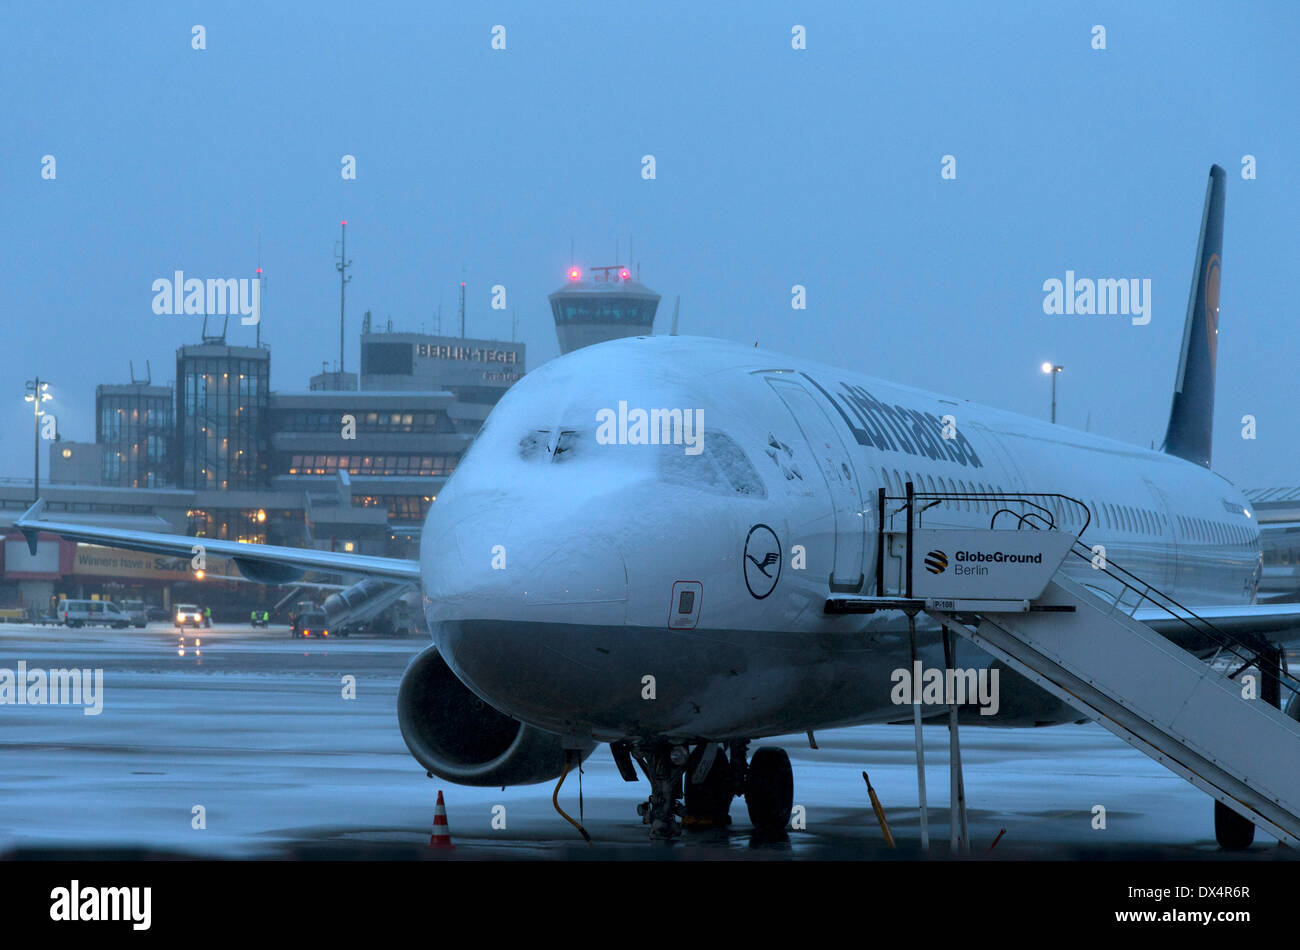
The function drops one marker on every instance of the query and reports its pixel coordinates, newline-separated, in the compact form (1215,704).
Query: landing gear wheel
(708,805)
(769,790)
(1233,832)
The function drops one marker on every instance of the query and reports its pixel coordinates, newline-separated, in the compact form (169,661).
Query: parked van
(136,612)
(94,613)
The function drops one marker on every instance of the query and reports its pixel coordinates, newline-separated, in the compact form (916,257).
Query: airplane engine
(460,738)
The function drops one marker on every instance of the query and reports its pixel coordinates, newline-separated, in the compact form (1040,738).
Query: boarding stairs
(1189,714)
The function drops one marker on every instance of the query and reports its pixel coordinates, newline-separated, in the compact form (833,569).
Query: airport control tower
(605,305)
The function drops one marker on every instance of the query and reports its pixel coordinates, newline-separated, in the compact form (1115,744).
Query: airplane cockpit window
(721,467)
(733,463)
(547,444)
(566,445)
(533,444)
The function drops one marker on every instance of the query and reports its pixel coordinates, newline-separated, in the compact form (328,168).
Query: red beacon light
(623,274)
(574,273)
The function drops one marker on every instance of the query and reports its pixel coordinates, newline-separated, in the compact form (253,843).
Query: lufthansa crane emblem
(762,561)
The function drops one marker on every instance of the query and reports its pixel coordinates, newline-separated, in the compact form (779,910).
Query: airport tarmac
(253,727)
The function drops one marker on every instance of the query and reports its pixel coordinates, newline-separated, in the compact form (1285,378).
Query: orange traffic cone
(441,837)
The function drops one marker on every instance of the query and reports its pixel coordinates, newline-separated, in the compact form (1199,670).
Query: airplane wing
(1274,623)
(265,563)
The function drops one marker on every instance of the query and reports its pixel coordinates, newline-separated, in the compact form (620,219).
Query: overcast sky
(774,167)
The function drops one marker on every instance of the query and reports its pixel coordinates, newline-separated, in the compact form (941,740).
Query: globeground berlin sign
(986,565)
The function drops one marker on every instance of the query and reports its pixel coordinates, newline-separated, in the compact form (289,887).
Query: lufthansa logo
(936,562)
(762,561)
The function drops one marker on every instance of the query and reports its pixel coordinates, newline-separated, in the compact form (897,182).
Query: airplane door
(1167,576)
(837,471)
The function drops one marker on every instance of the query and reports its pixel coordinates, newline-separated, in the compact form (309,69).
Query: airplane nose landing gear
(663,764)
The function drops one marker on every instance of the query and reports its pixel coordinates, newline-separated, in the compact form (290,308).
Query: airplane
(594,571)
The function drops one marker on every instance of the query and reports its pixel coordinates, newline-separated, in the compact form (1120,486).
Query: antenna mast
(342,267)
(462,310)
(261,290)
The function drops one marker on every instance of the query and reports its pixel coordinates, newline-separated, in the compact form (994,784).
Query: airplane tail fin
(1191,419)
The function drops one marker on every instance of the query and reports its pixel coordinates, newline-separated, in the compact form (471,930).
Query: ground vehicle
(312,623)
(188,615)
(156,613)
(94,613)
(135,610)
(260,618)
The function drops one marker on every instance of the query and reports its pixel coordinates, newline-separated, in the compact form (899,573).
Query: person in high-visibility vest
(207,616)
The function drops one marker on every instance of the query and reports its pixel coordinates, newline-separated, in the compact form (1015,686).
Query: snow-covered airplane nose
(511,588)
(494,557)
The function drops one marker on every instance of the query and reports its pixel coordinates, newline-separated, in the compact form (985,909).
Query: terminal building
(134,424)
(352,464)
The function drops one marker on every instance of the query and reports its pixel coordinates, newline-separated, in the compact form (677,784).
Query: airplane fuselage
(556,558)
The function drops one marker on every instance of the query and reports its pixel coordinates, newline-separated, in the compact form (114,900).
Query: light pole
(37,393)
(1052,369)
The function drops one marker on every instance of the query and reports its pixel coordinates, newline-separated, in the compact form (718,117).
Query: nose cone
(512,591)
(494,556)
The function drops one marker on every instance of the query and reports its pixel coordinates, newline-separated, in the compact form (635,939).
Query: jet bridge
(1189,714)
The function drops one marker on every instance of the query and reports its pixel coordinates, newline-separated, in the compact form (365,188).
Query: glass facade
(411,508)
(222,436)
(303,420)
(389,464)
(604,309)
(134,425)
